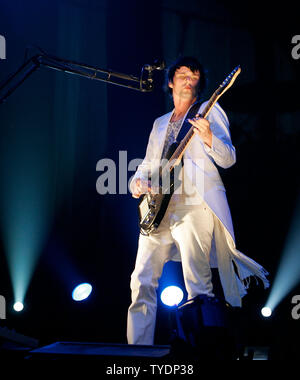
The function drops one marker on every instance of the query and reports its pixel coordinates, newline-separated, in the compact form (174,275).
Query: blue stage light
(171,295)
(81,292)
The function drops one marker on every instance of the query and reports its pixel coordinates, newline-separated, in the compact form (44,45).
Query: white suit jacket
(204,161)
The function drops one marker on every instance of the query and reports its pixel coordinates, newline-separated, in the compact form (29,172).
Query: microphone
(157,65)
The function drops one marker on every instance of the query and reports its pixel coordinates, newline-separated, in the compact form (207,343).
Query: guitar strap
(186,126)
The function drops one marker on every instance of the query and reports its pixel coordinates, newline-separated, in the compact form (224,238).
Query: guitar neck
(177,155)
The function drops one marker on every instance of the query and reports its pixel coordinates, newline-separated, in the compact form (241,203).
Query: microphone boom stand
(144,83)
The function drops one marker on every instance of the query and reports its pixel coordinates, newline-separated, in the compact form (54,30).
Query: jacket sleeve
(222,151)
(144,169)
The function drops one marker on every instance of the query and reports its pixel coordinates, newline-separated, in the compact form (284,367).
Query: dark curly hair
(194,65)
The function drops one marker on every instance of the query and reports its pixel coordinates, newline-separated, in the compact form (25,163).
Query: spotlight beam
(288,274)
(26,204)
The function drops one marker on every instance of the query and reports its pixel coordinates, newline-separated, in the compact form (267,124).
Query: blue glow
(171,295)
(81,292)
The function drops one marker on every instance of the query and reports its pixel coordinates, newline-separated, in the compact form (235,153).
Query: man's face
(185,83)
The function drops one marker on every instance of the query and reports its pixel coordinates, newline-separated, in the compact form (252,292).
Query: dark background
(55,128)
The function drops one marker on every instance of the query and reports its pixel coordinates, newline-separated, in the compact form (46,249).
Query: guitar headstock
(228,82)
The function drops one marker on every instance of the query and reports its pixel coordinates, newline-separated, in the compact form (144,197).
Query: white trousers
(191,229)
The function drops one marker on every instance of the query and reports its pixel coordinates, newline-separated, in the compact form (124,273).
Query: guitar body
(153,206)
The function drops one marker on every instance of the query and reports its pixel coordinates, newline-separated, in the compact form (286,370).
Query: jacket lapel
(162,131)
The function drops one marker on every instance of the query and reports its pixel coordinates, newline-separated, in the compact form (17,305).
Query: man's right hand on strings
(141,186)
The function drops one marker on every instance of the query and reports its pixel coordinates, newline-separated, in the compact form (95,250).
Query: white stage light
(266,311)
(18,306)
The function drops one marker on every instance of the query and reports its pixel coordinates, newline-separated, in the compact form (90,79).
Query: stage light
(171,295)
(266,311)
(18,306)
(81,292)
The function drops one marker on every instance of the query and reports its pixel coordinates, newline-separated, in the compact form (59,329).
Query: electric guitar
(153,205)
